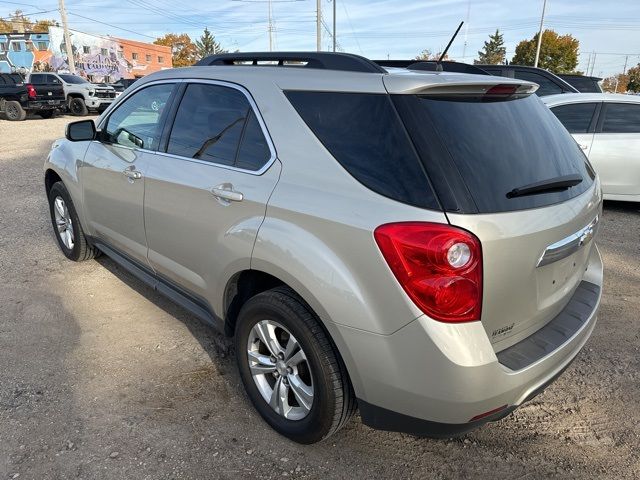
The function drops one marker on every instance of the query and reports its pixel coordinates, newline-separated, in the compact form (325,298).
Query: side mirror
(81,131)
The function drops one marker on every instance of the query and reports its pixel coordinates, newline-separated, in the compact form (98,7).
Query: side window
(547,87)
(210,123)
(136,123)
(365,135)
(576,117)
(254,151)
(621,118)
(38,79)
(52,79)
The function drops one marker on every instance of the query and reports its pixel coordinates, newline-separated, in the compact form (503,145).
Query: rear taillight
(31,91)
(439,266)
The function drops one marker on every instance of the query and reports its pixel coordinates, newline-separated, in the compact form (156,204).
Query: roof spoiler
(432,66)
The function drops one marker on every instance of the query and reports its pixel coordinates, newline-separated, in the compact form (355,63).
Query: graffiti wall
(24,52)
(98,58)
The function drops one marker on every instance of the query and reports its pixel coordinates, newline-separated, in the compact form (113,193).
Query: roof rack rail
(319,60)
(431,65)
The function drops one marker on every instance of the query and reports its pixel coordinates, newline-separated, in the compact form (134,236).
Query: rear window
(576,117)
(365,135)
(492,147)
(547,86)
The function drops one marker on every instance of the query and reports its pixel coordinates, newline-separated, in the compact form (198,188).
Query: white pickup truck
(82,95)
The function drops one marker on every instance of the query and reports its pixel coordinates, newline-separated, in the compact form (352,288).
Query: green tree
(207,45)
(183,50)
(494,51)
(558,53)
(634,79)
(5,26)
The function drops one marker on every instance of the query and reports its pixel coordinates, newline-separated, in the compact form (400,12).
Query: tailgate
(522,291)
(49,91)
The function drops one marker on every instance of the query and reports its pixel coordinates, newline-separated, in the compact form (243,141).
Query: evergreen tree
(207,45)
(494,51)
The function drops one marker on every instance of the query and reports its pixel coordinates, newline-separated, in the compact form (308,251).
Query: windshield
(482,150)
(73,79)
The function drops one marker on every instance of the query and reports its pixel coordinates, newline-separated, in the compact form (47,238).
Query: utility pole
(544,7)
(626,59)
(593,65)
(466,31)
(334,25)
(67,38)
(318,25)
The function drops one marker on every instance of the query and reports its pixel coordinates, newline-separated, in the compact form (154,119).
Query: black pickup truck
(18,98)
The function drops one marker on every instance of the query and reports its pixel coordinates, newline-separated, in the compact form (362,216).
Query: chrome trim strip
(569,245)
(244,91)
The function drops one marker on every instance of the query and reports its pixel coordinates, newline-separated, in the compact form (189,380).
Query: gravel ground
(102,378)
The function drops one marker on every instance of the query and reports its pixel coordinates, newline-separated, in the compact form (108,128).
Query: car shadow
(623,207)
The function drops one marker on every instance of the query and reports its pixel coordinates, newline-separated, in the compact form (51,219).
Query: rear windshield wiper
(557,184)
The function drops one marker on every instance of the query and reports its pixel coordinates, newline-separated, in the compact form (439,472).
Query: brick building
(144,58)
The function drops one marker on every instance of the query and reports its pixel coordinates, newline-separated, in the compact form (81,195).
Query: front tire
(77,107)
(290,368)
(66,226)
(14,111)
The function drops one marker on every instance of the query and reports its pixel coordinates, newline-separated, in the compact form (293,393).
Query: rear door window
(217,124)
(38,79)
(365,135)
(493,146)
(576,117)
(621,118)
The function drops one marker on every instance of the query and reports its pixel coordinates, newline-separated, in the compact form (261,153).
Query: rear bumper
(45,104)
(437,379)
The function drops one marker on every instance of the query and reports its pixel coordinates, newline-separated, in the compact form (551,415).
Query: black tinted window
(547,86)
(576,117)
(254,151)
(621,118)
(38,79)
(137,122)
(209,123)
(494,146)
(363,133)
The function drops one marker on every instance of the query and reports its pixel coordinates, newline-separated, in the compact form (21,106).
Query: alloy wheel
(280,369)
(64,225)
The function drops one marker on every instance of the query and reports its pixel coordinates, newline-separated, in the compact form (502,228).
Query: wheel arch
(246,284)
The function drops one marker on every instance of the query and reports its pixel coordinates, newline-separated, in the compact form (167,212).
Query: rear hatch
(491,159)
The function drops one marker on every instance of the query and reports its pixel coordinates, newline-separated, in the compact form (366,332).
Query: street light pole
(334,25)
(544,7)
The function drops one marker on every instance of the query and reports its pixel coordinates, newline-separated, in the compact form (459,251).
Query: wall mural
(94,56)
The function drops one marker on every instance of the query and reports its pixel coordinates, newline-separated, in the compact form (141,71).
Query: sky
(396,29)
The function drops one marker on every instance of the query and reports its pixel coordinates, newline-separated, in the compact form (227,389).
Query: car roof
(397,80)
(563,98)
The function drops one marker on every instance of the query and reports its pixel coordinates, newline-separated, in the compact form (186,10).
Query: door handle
(132,174)
(225,191)
(583,146)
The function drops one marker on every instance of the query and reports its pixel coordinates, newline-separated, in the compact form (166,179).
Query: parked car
(607,128)
(18,98)
(583,83)
(81,95)
(550,83)
(359,232)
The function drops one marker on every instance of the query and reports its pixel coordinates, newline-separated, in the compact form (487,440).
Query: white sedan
(607,128)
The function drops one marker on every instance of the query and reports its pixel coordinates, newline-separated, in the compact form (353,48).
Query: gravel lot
(102,378)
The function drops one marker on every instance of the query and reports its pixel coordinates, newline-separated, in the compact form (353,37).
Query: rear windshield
(493,147)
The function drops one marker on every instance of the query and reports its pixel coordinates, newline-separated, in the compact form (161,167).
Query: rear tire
(47,113)
(14,111)
(326,401)
(77,107)
(66,226)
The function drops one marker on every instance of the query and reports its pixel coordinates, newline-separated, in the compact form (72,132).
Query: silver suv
(417,245)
